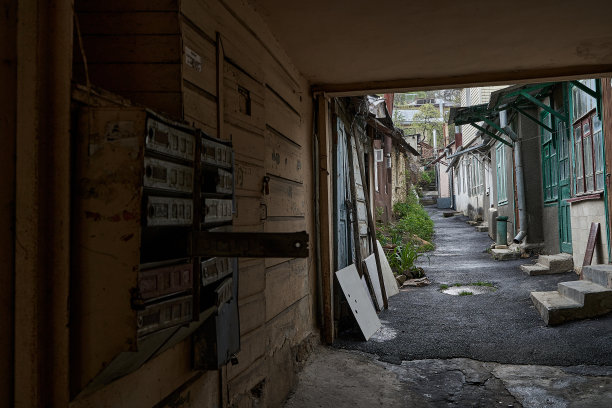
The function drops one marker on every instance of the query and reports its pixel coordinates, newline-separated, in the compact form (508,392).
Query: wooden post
(325,219)
(355,226)
(371,225)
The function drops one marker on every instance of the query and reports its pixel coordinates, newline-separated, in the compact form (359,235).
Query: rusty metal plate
(165,314)
(165,211)
(167,176)
(169,140)
(216,154)
(216,268)
(217,210)
(252,244)
(154,283)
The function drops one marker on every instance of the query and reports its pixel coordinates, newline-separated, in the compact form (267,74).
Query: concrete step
(554,308)
(535,270)
(559,263)
(482,228)
(505,254)
(599,274)
(472,223)
(596,298)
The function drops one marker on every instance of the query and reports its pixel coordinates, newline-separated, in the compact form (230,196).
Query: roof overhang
(348,47)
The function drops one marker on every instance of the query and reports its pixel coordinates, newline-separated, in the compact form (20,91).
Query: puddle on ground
(474,289)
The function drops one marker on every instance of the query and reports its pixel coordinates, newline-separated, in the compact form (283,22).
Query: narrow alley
(490,349)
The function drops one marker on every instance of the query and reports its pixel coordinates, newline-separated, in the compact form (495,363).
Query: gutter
(520,186)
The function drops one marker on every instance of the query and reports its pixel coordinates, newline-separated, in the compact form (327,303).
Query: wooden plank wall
(273,157)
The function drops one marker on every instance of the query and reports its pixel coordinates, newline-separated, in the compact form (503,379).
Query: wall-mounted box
(213,269)
(217,211)
(216,153)
(165,280)
(165,314)
(169,211)
(133,203)
(217,181)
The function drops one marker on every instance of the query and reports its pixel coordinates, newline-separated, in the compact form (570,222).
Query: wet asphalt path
(502,326)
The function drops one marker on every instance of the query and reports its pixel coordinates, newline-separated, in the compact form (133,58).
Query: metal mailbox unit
(154,255)
(218,339)
(135,205)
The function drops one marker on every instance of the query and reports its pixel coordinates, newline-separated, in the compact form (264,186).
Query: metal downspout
(520,186)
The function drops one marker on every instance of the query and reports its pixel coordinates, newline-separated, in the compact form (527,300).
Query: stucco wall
(550,229)
(583,213)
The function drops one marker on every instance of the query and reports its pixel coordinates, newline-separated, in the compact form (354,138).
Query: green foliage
(413,219)
(398,118)
(381,236)
(479,283)
(465,293)
(404,257)
(443,287)
(427,177)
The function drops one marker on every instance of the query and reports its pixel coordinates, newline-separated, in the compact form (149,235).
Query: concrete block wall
(583,213)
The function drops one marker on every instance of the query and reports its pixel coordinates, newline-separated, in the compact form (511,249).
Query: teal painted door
(563,154)
(342,196)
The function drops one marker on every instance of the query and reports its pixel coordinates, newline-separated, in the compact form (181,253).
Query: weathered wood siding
(133,41)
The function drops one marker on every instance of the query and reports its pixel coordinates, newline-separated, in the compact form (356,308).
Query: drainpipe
(520,186)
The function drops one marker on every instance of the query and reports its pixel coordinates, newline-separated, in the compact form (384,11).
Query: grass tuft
(465,293)
(479,283)
(443,287)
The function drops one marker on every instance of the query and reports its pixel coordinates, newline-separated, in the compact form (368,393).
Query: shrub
(427,177)
(413,219)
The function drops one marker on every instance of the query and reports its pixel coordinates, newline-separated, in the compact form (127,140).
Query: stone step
(555,308)
(505,254)
(482,228)
(599,274)
(559,263)
(535,270)
(594,297)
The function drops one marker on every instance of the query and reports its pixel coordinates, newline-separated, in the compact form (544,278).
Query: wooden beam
(494,126)
(585,88)
(493,135)
(477,79)
(536,120)
(42,203)
(325,217)
(544,106)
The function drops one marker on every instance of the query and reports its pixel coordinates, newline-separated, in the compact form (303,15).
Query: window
(378,158)
(500,164)
(475,169)
(588,144)
(550,168)
(588,154)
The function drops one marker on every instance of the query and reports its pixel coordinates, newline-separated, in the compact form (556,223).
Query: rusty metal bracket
(251,244)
